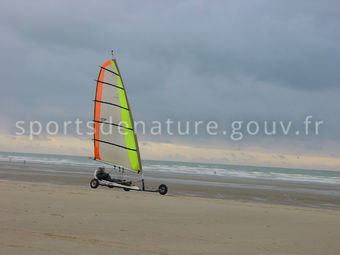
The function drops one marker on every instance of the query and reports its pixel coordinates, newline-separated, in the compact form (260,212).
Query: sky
(220,61)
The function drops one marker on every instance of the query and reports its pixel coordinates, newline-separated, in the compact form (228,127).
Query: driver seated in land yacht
(102,175)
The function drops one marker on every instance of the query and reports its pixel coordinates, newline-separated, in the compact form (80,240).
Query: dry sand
(56,219)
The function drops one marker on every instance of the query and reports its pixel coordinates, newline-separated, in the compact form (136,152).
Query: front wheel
(94,183)
(162,189)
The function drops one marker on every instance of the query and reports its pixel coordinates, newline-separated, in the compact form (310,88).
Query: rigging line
(109,123)
(109,71)
(111,104)
(121,146)
(106,83)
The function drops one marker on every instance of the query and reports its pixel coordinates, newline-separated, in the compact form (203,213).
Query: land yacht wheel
(162,189)
(94,183)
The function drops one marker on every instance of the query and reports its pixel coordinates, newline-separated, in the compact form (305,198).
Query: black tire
(126,189)
(94,183)
(162,189)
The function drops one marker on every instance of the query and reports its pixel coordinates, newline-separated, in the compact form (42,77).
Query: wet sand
(62,219)
(300,194)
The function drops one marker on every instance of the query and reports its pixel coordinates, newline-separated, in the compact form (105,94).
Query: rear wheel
(126,189)
(162,189)
(94,183)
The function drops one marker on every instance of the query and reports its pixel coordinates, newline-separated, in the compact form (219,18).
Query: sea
(313,188)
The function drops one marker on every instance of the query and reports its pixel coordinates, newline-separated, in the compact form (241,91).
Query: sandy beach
(61,219)
(313,195)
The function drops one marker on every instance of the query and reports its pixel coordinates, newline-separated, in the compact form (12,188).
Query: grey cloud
(222,60)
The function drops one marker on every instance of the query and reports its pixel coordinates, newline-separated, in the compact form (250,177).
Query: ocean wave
(237,173)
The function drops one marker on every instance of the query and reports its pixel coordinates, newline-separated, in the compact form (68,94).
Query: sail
(115,141)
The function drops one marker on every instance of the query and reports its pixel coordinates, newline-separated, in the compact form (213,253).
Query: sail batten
(119,146)
(105,83)
(113,124)
(109,70)
(111,104)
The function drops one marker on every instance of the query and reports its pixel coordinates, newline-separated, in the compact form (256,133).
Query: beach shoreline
(264,191)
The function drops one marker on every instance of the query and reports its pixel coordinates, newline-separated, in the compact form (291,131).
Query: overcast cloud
(185,60)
